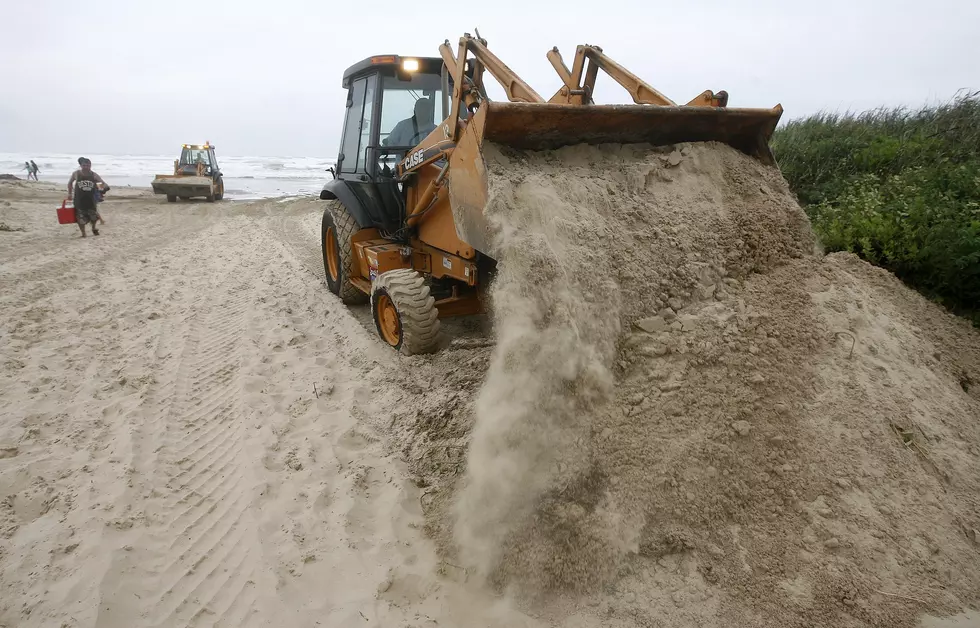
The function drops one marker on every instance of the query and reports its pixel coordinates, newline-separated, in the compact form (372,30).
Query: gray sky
(263,78)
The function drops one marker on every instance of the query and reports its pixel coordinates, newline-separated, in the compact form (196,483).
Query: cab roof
(393,64)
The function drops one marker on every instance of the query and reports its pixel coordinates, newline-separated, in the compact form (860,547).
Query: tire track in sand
(195,563)
(298,230)
(45,276)
(210,571)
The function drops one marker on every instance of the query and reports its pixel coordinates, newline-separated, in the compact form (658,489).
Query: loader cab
(393,103)
(382,92)
(195,156)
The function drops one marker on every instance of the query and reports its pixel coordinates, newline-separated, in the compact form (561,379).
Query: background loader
(404,226)
(196,173)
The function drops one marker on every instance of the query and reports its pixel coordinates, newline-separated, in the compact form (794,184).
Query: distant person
(82,188)
(27,167)
(35,169)
(411,131)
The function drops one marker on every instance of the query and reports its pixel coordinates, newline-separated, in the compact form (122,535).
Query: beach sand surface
(192,429)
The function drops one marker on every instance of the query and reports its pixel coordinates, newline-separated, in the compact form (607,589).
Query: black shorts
(86,210)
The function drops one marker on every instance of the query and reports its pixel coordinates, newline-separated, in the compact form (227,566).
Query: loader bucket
(541,126)
(175,185)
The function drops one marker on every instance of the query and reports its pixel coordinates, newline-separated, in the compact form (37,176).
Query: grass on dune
(899,187)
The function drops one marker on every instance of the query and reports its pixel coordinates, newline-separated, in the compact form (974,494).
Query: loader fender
(340,190)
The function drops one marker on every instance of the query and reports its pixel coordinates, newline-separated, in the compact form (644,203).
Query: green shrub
(899,188)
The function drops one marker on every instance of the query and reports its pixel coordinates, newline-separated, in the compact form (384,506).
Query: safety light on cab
(410,65)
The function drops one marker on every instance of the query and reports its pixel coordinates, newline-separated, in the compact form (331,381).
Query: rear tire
(171,198)
(404,312)
(336,230)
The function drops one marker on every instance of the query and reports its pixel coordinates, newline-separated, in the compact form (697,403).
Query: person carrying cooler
(82,188)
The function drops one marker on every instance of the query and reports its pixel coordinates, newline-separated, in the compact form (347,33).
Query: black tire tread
(345,226)
(416,309)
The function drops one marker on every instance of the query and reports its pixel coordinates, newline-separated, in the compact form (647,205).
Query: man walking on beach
(82,187)
(35,169)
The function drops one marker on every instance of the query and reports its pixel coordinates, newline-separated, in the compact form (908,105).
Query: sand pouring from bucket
(528,121)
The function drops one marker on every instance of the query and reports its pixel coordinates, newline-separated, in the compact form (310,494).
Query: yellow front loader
(404,228)
(195,173)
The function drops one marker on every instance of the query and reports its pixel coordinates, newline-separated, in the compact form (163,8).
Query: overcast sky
(263,77)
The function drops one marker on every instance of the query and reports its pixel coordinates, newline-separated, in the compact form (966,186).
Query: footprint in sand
(354,440)
(361,517)
(325,497)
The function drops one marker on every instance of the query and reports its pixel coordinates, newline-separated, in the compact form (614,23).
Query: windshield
(410,110)
(191,156)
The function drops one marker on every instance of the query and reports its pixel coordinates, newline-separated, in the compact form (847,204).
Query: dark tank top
(85,189)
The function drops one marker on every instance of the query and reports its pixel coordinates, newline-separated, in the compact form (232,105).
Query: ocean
(245,177)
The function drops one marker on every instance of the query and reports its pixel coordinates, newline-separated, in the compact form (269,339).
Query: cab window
(357,126)
(195,155)
(410,109)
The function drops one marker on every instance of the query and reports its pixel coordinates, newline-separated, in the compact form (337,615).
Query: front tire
(404,312)
(221,189)
(336,230)
(171,198)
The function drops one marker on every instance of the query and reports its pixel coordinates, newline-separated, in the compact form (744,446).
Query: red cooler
(66,213)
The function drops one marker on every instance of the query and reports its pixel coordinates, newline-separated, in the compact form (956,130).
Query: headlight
(410,65)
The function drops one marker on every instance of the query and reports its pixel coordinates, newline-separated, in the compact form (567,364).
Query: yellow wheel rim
(391,329)
(330,244)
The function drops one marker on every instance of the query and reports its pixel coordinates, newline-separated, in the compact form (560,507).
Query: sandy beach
(191,428)
(195,432)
